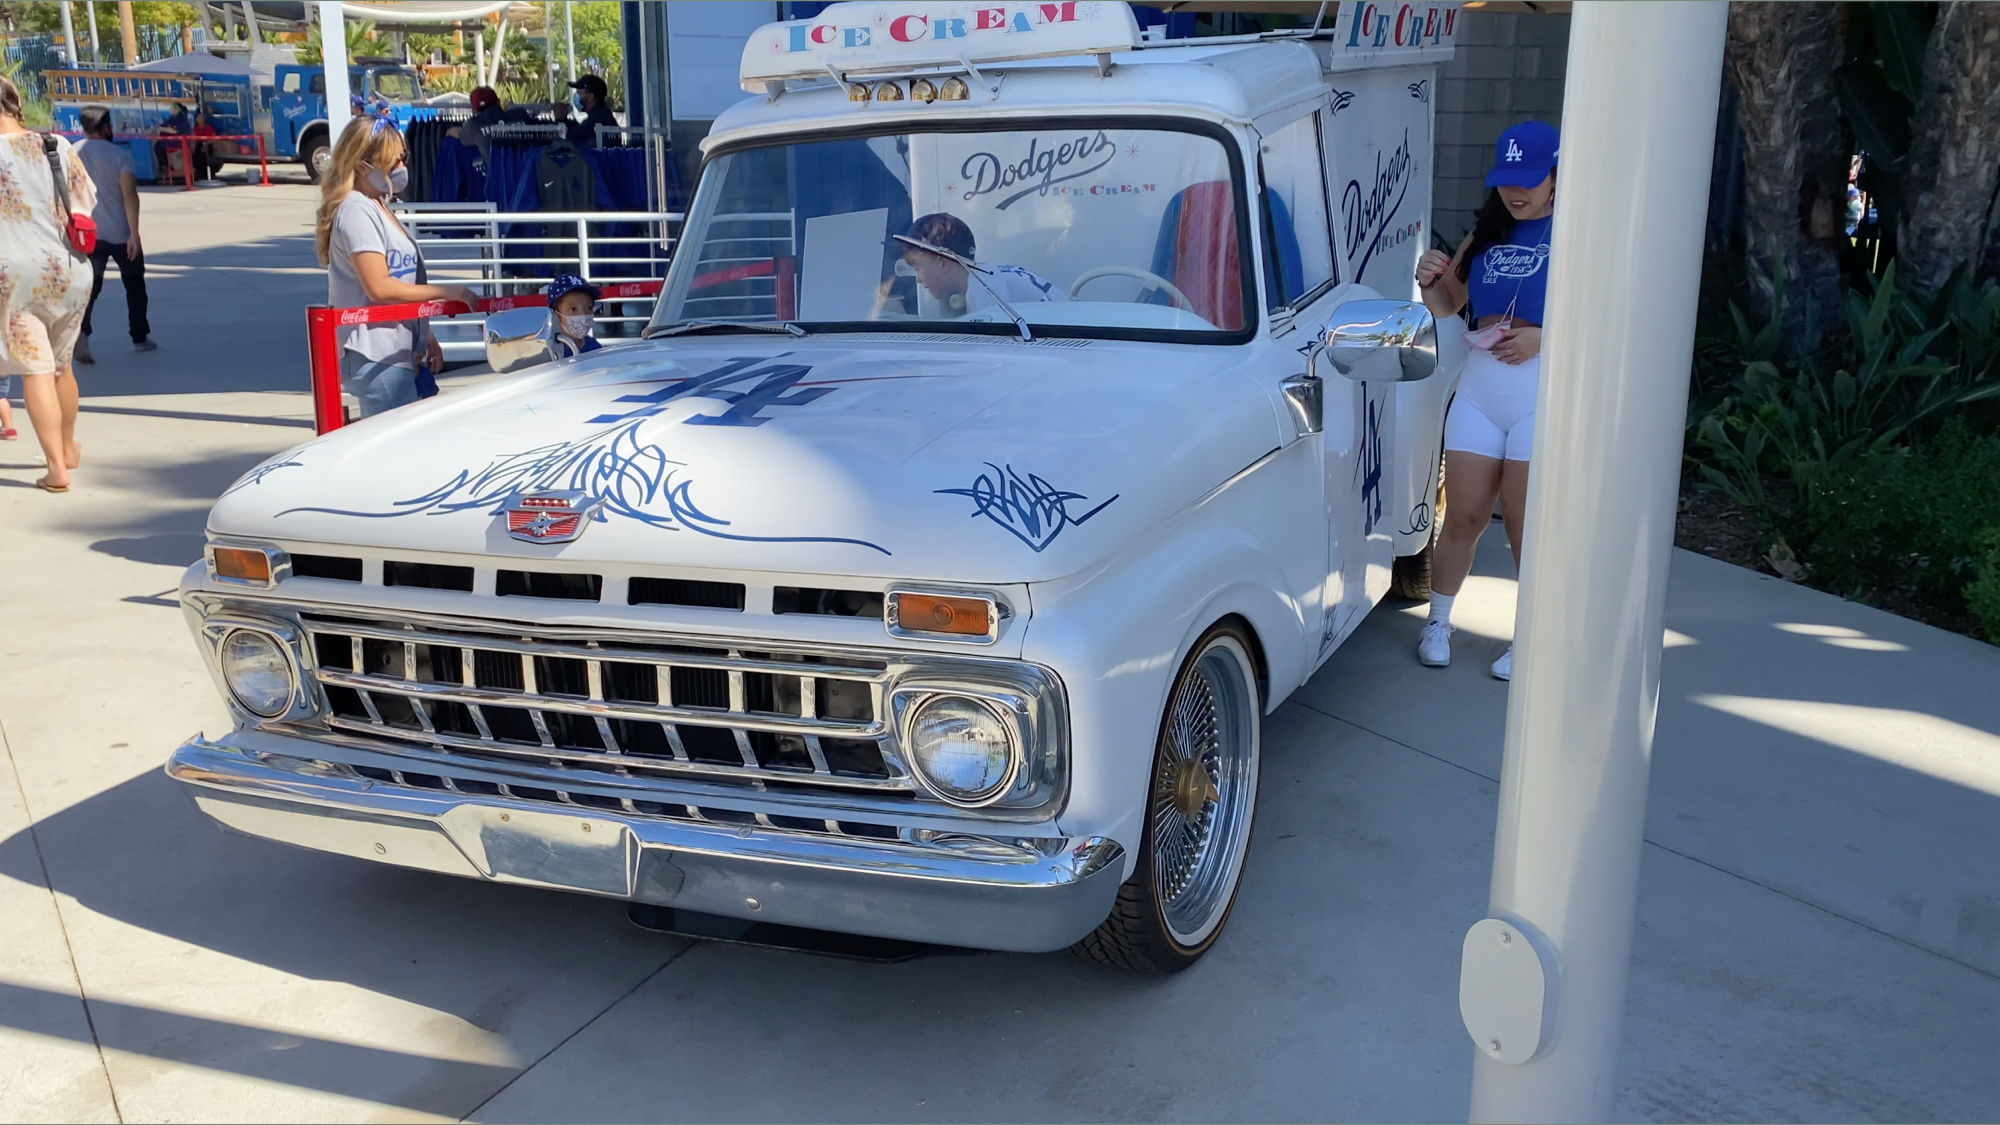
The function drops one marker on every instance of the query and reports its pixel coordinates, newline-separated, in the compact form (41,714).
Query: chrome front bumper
(1006,894)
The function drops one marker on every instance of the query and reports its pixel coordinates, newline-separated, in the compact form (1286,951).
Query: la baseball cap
(1523,156)
(566,283)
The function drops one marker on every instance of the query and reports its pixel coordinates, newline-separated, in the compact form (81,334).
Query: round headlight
(962,748)
(258,673)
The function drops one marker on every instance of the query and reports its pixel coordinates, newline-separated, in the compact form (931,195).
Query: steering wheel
(1154,280)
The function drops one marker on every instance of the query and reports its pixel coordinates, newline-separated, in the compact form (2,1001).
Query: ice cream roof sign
(865,37)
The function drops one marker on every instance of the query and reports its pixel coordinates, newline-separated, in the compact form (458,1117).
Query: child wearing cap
(573,303)
(1501,271)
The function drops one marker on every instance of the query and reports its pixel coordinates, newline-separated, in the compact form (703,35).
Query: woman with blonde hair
(44,280)
(370,260)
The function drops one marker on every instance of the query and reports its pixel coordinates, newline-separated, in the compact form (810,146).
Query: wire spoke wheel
(1201,796)
(1202,793)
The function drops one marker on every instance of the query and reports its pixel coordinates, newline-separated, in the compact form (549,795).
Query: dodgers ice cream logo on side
(1368,212)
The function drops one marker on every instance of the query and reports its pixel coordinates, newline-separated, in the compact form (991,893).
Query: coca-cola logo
(1510,260)
(1036,171)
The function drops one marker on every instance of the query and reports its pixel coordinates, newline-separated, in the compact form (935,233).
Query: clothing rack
(524,131)
(422,139)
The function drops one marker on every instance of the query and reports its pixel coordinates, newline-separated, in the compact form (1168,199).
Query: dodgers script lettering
(1040,169)
(1367,214)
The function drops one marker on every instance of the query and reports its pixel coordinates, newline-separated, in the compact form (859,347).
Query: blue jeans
(378,385)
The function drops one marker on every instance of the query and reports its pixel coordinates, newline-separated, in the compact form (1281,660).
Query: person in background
(573,304)
(117,216)
(166,152)
(370,260)
(1502,271)
(206,157)
(591,94)
(486,110)
(43,308)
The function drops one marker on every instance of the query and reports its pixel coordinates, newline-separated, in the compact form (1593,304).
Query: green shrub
(1919,522)
(1982,597)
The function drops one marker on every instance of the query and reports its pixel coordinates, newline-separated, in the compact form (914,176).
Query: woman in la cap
(1501,271)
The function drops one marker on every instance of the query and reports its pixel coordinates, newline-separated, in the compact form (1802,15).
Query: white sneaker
(1503,668)
(1434,647)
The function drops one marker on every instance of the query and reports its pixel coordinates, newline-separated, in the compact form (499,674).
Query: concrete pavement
(1819,926)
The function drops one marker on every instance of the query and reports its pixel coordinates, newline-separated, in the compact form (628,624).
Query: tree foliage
(359,35)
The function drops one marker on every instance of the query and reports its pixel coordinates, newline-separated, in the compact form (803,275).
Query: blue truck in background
(289,112)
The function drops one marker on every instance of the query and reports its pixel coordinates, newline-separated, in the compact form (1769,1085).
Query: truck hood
(891,456)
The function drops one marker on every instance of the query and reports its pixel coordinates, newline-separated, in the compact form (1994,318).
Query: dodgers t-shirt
(360,226)
(1513,273)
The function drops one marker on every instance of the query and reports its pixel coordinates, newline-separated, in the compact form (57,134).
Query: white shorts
(1493,414)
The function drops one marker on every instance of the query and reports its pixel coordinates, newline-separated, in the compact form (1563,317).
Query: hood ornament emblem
(548,517)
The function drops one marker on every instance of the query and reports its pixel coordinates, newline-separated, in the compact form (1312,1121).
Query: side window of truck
(291,83)
(1298,261)
(318,84)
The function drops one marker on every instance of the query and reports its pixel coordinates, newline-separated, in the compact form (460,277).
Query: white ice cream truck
(851,602)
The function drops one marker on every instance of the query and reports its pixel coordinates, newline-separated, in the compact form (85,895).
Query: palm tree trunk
(1781,59)
(1954,163)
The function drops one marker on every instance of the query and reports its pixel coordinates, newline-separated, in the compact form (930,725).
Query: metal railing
(502,254)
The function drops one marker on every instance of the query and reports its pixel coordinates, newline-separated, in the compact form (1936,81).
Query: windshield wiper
(973,270)
(787,328)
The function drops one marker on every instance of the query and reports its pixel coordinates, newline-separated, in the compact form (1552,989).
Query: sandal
(43,484)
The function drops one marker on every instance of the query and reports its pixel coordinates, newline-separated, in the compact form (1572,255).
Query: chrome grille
(599,702)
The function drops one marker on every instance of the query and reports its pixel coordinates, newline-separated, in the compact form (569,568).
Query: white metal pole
(69,34)
(499,51)
(549,38)
(569,39)
(90,14)
(1542,988)
(333,57)
(479,53)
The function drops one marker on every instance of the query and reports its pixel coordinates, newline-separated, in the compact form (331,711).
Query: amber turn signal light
(938,613)
(242,564)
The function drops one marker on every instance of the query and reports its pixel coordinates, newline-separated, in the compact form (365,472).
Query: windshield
(1077,228)
(399,85)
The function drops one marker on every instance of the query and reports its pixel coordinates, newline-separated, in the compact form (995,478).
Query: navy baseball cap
(1523,156)
(566,283)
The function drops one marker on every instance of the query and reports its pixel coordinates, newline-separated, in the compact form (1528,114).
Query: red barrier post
(263,168)
(323,361)
(187,161)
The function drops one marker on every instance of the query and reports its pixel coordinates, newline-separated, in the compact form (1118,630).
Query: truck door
(290,109)
(1301,290)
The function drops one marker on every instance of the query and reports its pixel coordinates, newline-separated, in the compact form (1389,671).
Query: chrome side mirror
(1361,331)
(518,338)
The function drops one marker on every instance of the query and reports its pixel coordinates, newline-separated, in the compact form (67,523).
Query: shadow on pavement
(272,1054)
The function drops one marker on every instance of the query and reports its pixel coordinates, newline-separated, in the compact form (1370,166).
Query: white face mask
(393,184)
(578,326)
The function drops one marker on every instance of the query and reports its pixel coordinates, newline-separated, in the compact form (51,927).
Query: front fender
(1119,634)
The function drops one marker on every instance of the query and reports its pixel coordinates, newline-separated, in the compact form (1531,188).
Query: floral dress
(44,287)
